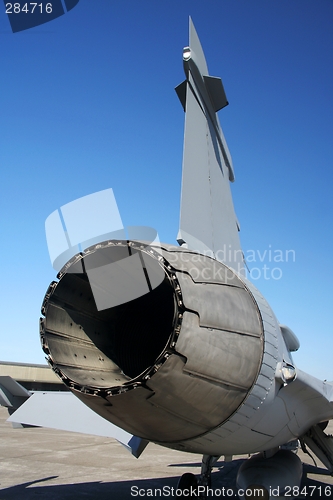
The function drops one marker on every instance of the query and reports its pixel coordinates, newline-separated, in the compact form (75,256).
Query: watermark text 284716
(28,8)
(24,15)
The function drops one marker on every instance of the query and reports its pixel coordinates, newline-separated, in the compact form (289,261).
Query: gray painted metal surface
(207,219)
(12,394)
(64,411)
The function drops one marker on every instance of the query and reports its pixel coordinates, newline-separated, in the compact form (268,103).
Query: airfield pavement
(38,463)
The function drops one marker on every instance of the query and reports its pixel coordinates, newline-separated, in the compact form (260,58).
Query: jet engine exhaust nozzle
(162,341)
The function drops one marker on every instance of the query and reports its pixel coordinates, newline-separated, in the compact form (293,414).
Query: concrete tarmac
(38,463)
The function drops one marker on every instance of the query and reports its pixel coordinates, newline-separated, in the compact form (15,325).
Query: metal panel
(267,369)
(193,399)
(253,401)
(237,357)
(136,412)
(227,308)
(201,268)
(263,381)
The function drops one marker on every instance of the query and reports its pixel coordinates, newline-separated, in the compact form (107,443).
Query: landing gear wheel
(187,483)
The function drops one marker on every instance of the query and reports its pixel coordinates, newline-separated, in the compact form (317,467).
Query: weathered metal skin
(170,365)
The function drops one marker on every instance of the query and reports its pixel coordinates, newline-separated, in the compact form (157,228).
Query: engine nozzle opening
(108,346)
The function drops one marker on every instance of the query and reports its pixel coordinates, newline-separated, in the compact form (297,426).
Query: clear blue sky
(87,103)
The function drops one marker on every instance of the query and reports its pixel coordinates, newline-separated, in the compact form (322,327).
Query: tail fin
(208,222)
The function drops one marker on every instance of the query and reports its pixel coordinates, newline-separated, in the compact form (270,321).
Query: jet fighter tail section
(208,223)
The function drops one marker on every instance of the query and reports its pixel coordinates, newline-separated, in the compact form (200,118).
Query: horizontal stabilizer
(12,394)
(216,92)
(181,90)
(64,411)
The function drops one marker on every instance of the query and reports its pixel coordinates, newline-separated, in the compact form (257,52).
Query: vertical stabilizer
(208,223)
(196,47)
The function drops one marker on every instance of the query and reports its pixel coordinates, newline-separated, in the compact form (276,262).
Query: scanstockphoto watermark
(254,492)
(269,254)
(95,218)
(268,263)
(193,492)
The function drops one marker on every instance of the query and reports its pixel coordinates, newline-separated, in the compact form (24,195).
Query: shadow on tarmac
(224,476)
